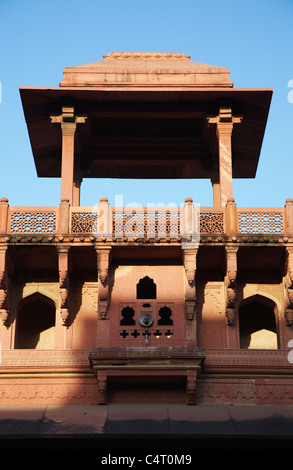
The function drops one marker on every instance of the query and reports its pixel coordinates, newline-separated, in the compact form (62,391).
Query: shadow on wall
(257,323)
(35,325)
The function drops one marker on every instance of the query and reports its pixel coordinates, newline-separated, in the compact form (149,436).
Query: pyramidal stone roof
(146,70)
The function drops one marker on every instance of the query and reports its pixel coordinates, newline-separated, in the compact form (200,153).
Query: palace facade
(181,304)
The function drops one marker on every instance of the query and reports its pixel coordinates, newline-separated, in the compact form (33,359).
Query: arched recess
(146,289)
(35,323)
(258,323)
(165,314)
(127,316)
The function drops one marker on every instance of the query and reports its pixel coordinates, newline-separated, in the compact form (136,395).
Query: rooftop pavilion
(146,115)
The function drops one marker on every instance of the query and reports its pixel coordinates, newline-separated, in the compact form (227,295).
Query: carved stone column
(64,216)
(76,190)
(68,121)
(289,287)
(103,260)
(190,296)
(231,220)
(63,282)
(289,215)
(4,286)
(4,207)
(231,254)
(224,126)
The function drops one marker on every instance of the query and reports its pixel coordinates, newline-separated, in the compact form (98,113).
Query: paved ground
(144,427)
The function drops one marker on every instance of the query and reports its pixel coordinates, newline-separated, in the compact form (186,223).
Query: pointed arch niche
(35,323)
(146,288)
(258,323)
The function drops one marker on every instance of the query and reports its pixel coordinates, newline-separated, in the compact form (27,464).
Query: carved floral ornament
(146,56)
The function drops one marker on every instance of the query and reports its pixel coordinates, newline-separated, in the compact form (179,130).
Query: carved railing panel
(83,220)
(268,221)
(146,222)
(211,221)
(32,220)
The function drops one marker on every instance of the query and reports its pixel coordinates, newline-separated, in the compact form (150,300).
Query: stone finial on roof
(147,55)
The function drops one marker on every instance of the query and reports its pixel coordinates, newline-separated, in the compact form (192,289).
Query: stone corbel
(190,309)
(102,388)
(63,283)
(103,293)
(4,287)
(289,287)
(191,387)
(190,292)
(103,260)
(190,264)
(231,275)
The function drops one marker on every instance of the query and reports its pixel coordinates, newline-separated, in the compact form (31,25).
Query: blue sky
(252,38)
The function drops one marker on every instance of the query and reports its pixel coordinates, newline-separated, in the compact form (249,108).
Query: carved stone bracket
(190,309)
(190,290)
(4,287)
(190,264)
(103,260)
(231,274)
(63,283)
(191,387)
(289,287)
(152,361)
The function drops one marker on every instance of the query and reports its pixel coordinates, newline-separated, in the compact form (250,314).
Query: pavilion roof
(146,118)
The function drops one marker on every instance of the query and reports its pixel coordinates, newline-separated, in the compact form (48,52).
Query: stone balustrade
(148,223)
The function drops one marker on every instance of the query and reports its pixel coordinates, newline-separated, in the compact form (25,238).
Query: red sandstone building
(108,304)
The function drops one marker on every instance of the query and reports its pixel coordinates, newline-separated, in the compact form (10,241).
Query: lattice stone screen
(261,222)
(84,222)
(147,223)
(33,221)
(211,222)
(144,222)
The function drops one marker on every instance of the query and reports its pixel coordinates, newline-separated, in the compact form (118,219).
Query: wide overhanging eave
(40,102)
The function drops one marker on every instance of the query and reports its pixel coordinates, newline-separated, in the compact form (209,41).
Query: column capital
(224,120)
(68,120)
(63,249)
